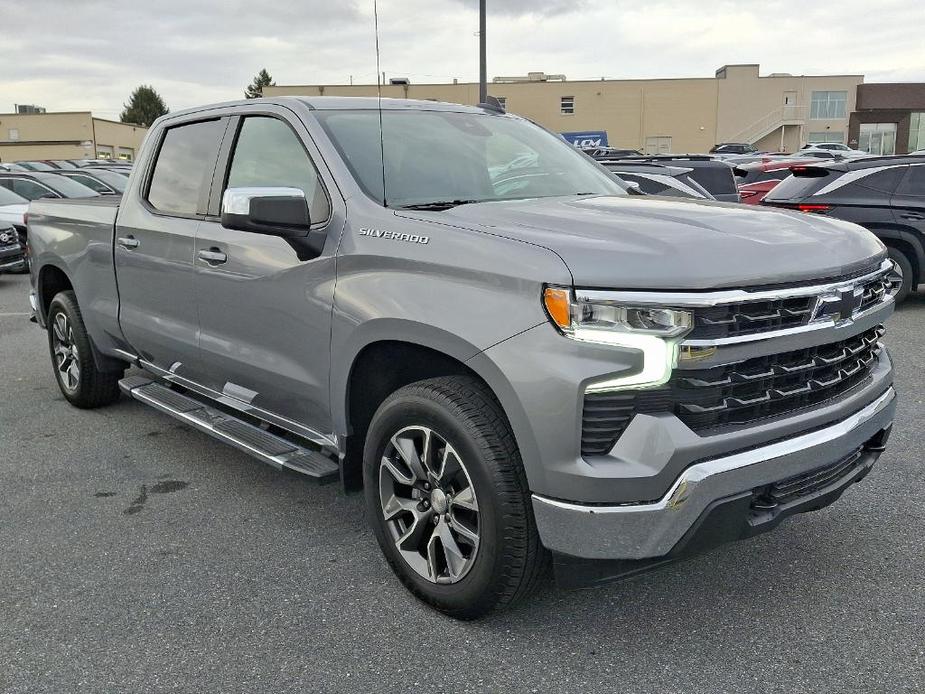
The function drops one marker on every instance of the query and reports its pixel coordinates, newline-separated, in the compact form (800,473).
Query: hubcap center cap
(439,501)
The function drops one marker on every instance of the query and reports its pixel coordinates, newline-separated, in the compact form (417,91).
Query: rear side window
(882,181)
(716,179)
(90,183)
(184,166)
(269,154)
(914,182)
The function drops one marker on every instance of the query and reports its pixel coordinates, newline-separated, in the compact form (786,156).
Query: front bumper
(12,259)
(636,531)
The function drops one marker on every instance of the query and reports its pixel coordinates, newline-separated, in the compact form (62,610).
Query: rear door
(154,248)
(265,315)
(909,199)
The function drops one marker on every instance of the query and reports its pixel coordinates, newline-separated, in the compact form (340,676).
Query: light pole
(483,68)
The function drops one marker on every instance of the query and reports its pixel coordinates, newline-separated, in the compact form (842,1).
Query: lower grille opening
(800,486)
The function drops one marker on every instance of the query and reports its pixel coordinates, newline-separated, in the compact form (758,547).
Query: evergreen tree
(255,89)
(144,107)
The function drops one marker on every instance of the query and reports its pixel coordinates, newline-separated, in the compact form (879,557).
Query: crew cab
(452,309)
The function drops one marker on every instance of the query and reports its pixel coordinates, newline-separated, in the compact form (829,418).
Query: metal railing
(780,116)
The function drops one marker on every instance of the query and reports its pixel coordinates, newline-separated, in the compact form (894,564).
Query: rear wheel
(901,274)
(79,379)
(447,497)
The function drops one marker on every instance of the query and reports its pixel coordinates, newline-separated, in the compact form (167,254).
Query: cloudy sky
(89,54)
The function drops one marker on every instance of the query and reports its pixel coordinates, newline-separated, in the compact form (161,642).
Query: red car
(756,180)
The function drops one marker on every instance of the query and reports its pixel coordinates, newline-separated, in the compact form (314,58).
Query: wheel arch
(375,367)
(906,240)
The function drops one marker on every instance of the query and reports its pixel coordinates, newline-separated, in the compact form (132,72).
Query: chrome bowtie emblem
(840,305)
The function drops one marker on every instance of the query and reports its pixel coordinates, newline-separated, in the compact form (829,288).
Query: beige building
(67,135)
(774,112)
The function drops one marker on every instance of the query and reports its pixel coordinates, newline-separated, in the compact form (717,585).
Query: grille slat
(708,400)
(751,317)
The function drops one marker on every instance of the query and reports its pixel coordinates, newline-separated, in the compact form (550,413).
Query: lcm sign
(587,139)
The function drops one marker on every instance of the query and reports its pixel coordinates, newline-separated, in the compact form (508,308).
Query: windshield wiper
(437,205)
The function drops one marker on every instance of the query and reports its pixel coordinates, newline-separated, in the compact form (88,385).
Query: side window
(914,182)
(184,166)
(91,183)
(31,190)
(882,181)
(269,154)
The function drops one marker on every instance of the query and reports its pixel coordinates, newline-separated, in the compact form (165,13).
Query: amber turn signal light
(558,305)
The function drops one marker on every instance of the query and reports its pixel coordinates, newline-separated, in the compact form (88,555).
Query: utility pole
(483,68)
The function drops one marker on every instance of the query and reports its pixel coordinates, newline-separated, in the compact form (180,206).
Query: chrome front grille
(753,316)
(766,387)
(712,400)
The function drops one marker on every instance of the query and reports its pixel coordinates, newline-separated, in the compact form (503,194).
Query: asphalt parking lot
(138,555)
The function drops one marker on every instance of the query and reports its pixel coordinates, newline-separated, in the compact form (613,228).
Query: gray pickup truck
(452,309)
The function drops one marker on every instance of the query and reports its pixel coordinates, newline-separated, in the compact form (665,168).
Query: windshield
(439,156)
(8,197)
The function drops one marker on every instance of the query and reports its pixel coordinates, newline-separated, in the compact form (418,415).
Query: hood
(665,243)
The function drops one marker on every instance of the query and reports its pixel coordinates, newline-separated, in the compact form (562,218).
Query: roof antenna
(379,99)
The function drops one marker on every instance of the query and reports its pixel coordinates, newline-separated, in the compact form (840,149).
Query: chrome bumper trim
(652,529)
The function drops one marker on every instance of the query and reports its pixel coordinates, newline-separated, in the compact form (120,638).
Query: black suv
(884,194)
(733,148)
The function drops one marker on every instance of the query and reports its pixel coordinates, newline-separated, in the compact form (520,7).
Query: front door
(154,248)
(265,316)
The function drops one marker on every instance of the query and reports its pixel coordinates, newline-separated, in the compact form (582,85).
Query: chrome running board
(277,451)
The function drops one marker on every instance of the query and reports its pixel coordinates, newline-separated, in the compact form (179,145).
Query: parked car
(12,254)
(611,153)
(103,181)
(757,179)
(835,147)
(36,166)
(33,185)
(81,163)
(734,148)
(512,362)
(61,164)
(714,175)
(13,209)
(883,194)
(658,179)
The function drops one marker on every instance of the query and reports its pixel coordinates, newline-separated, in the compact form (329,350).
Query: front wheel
(79,379)
(447,497)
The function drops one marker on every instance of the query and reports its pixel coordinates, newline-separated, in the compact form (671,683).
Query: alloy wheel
(429,504)
(66,356)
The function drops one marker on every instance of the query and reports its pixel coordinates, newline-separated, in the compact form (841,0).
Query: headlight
(655,331)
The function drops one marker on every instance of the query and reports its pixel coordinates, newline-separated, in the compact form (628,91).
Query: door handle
(213,256)
(917,216)
(128,242)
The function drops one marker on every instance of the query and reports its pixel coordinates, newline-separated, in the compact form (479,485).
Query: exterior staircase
(777,118)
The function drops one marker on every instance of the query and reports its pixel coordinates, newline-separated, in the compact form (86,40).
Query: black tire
(904,267)
(509,560)
(91,387)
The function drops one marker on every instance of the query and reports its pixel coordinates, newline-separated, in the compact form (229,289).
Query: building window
(567,105)
(14,133)
(917,132)
(828,105)
(827,136)
(877,138)
(658,144)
